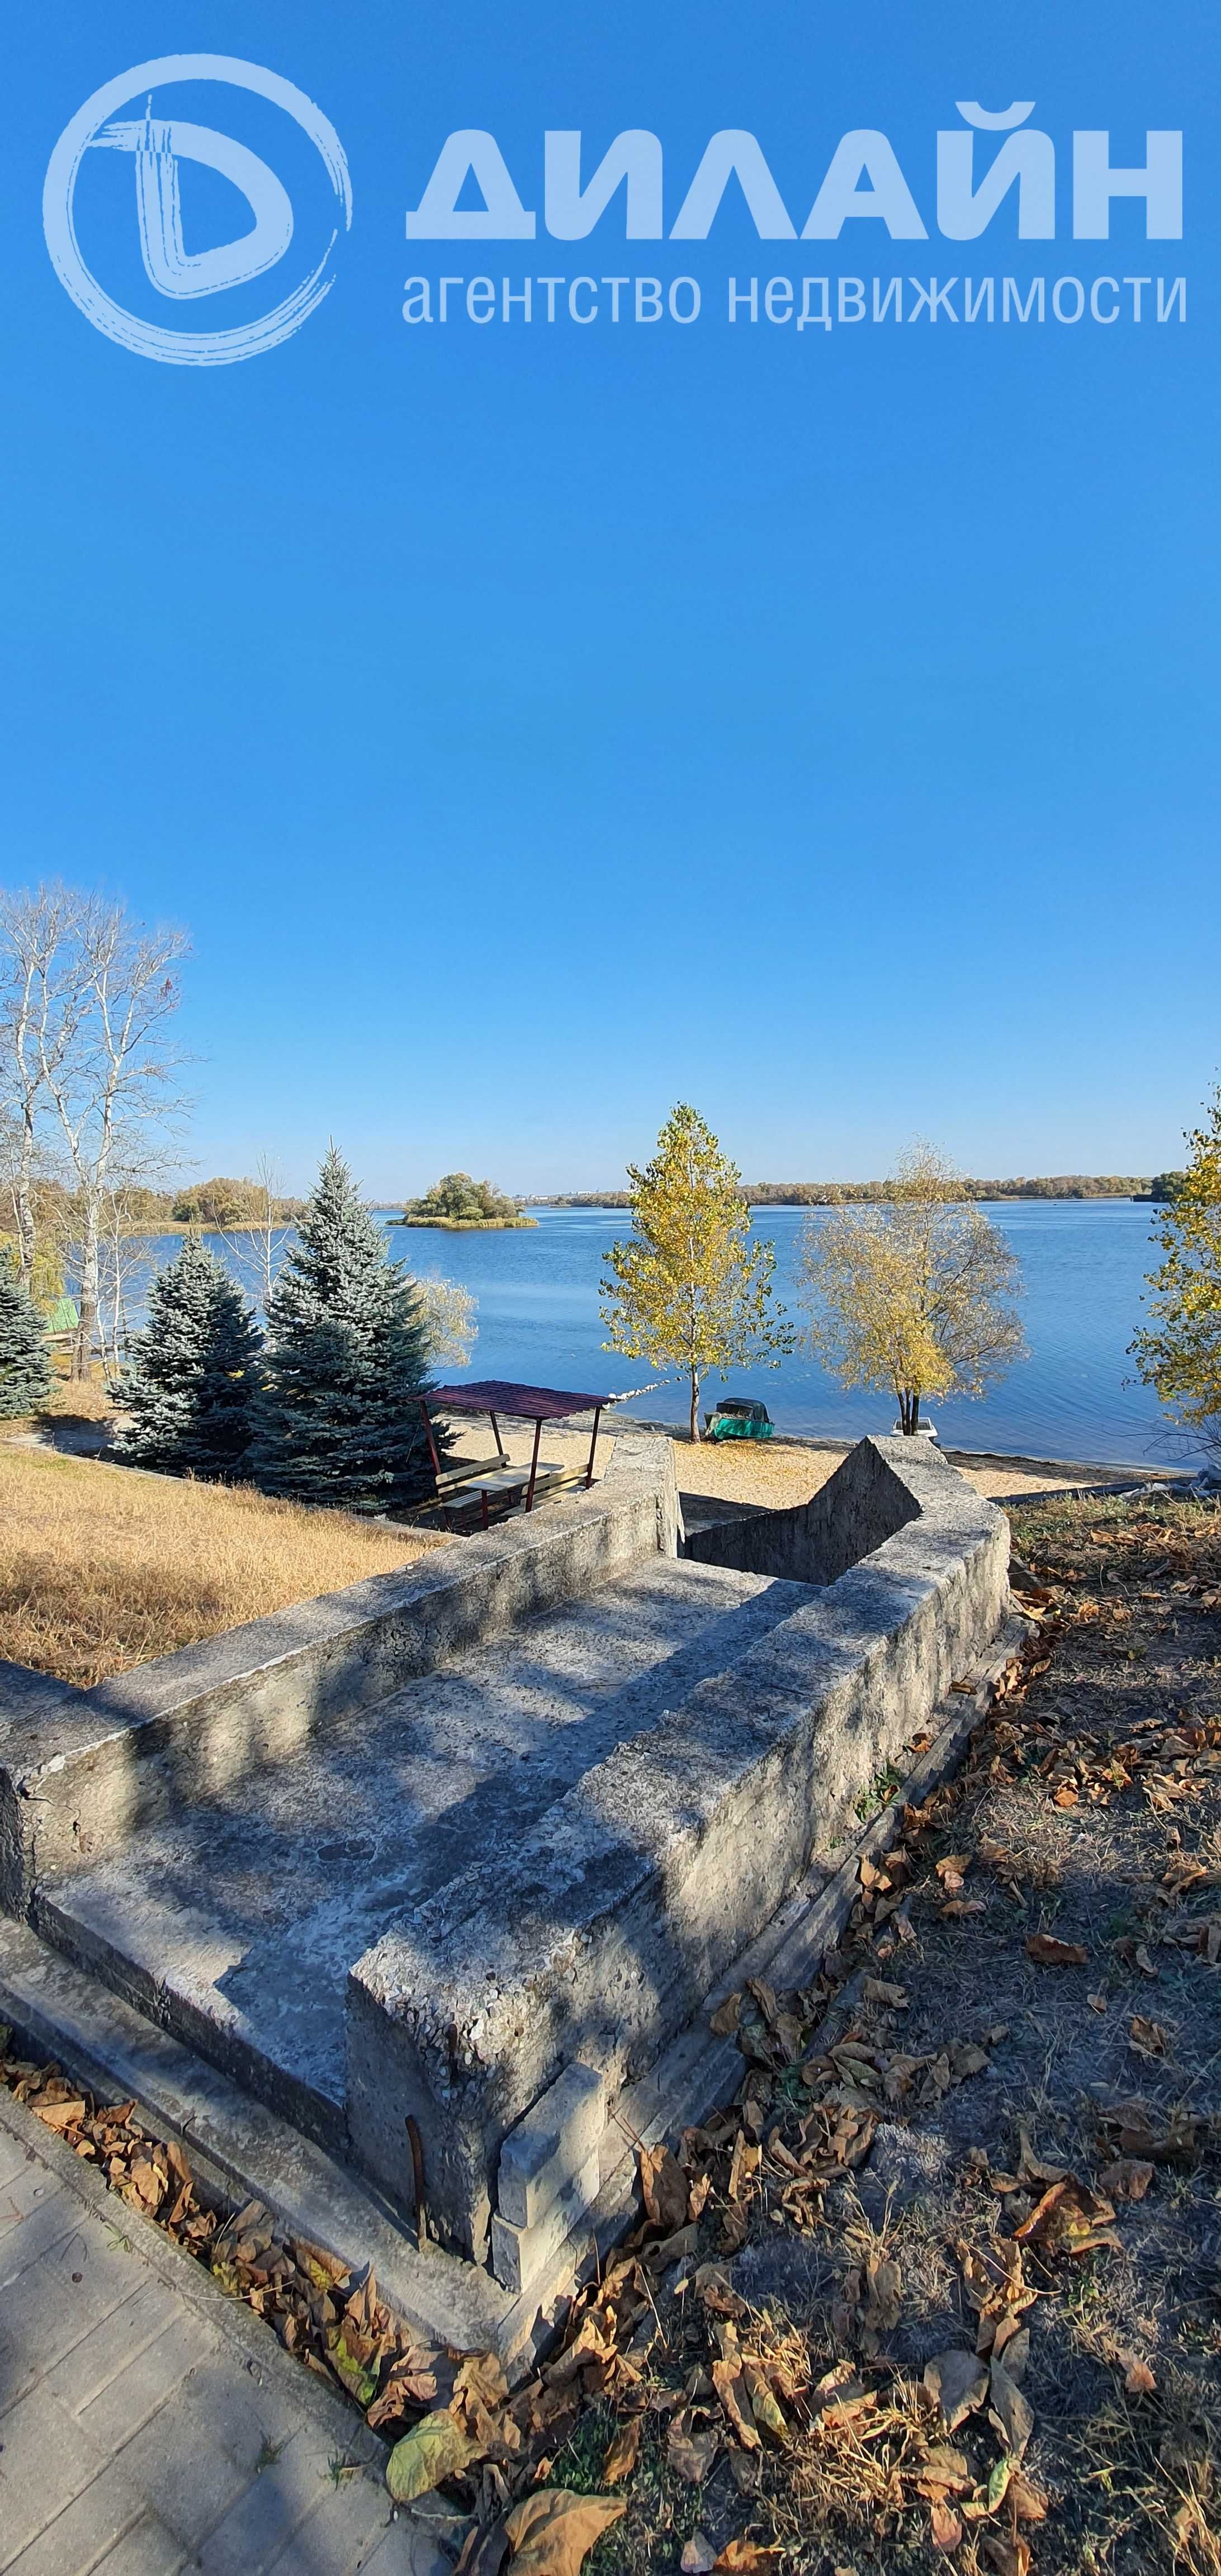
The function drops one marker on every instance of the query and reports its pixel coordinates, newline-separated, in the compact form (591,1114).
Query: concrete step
(233,1922)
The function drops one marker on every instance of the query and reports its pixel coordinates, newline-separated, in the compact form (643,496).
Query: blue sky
(534,726)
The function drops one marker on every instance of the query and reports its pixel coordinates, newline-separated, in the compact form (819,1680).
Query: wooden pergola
(495,1482)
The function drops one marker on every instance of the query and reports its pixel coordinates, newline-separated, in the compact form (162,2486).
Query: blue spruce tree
(25,1367)
(192,1373)
(346,1364)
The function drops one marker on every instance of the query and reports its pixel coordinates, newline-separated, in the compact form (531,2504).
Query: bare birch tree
(256,1247)
(89,995)
(42,1005)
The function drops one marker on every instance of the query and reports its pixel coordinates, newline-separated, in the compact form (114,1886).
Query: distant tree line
(1064,1185)
(219,1204)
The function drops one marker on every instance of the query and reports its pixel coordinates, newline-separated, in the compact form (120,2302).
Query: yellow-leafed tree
(1179,1350)
(911,1294)
(690,1289)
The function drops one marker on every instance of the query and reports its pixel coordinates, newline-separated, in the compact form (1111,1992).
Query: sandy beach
(774,1473)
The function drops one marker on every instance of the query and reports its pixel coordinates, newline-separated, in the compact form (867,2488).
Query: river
(1083,1263)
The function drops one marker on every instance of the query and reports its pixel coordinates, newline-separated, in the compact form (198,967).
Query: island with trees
(461,1205)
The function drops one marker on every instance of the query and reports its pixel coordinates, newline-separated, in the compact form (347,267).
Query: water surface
(1083,1264)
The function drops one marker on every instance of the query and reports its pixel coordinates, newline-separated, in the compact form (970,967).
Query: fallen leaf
(1097,2003)
(763,2406)
(59,2115)
(624,2450)
(993,2280)
(414,2380)
(1027,2500)
(967,2058)
(724,2021)
(944,2472)
(1171,2143)
(998,2486)
(435,2449)
(663,2185)
(945,2526)
(356,2371)
(1009,2412)
(552,2531)
(731,2388)
(484,2550)
(735,2228)
(699,2556)
(715,2292)
(1071,2218)
(698,2196)
(1011,2344)
(672,2249)
(1147,2037)
(691,2452)
(952,1870)
(1138,2378)
(1048,1952)
(958,2382)
(876,1990)
(846,2404)
(742,2557)
(1009,2557)
(1033,2169)
(1128,2179)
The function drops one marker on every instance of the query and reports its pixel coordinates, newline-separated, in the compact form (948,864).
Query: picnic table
(496,1484)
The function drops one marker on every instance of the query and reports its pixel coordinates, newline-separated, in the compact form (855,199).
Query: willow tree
(690,1289)
(910,1294)
(1179,1350)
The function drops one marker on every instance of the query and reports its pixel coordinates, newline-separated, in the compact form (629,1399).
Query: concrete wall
(814,1542)
(596,1938)
(80,1771)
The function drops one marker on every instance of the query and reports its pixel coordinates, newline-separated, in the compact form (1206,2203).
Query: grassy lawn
(102,1568)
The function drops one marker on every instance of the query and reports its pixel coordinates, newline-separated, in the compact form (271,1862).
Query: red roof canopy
(500,1395)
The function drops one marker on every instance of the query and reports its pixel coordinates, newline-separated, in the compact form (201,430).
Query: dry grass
(70,1400)
(102,1568)
(75,1399)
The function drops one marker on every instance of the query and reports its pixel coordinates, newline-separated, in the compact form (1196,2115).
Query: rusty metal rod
(417,2166)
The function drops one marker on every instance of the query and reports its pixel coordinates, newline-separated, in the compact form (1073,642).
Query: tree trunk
(82,1348)
(23,1212)
(695,1405)
(914,1424)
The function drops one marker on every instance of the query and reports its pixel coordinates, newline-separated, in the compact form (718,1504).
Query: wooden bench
(495,1488)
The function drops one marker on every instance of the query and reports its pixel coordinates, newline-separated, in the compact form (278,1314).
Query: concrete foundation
(467,1848)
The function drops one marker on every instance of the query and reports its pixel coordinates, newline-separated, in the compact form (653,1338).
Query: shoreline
(1097,1470)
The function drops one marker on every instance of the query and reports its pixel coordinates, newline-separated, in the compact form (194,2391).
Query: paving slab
(172,2431)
